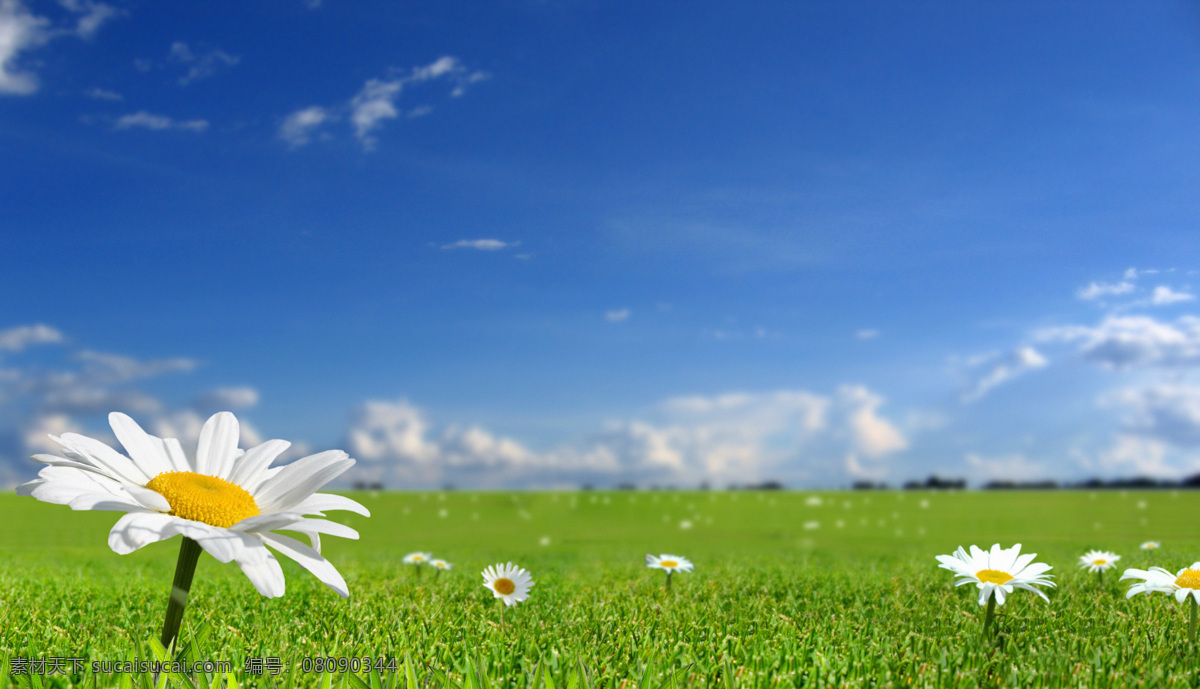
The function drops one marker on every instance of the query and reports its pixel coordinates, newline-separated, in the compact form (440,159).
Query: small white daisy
(508,582)
(417,558)
(440,564)
(1151,545)
(998,571)
(1098,560)
(669,563)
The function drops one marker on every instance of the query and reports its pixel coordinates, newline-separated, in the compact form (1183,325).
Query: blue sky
(542,243)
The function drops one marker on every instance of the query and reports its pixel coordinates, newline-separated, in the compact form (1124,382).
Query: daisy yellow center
(203,498)
(668,563)
(993,576)
(1190,579)
(1100,561)
(504,586)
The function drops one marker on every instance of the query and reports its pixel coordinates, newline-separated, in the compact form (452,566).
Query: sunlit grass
(857,600)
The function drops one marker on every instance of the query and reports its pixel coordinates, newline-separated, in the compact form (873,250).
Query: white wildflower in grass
(509,583)
(225,501)
(1150,545)
(418,559)
(1183,585)
(996,573)
(439,565)
(669,564)
(1098,561)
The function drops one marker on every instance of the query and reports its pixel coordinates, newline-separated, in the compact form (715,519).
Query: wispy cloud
(1096,290)
(202,62)
(18,338)
(147,120)
(377,101)
(997,369)
(103,94)
(867,334)
(480,244)
(1120,342)
(616,315)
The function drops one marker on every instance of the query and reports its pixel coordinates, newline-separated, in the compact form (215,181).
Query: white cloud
(1167,412)
(867,334)
(201,63)
(1131,341)
(19,31)
(146,120)
(17,339)
(116,368)
(1134,273)
(376,102)
(225,399)
(1134,455)
(1005,468)
(1000,369)
(735,437)
(103,94)
(1164,295)
(480,244)
(1096,290)
(298,127)
(616,315)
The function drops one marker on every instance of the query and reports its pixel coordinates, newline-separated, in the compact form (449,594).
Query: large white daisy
(1181,585)
(508,582)
(998,571)
(226,499)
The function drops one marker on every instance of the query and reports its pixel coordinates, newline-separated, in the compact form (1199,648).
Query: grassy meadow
(790,589)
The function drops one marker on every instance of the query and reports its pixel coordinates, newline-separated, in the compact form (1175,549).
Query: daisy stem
(669,573)
(502,614)
(185,569)
(991,612)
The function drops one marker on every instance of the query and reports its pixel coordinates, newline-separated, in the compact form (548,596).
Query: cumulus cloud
(297,129)
(616,315)
(202,62)
(1165,412)
(147,120)
(1001,368)
(1096,290)
(74,391)
(1121,342)
(735,437)
(1164,295)
(1005,468)
(1137,455)
(480,244)
(376,102)
(19,31)
(17,339)
(22,31)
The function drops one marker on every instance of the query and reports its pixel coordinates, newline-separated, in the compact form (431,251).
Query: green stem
(502,606)
(991,612)
(185,569)
(669,573)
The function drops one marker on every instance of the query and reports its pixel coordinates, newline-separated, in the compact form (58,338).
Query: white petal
(146,450)
(149,499)
(325,527)
(105,458)
(261,523)
(250,469)
(218,445)
(176,456)
(300,479)
(261,567)
(322,502)
(309,559)
(138,529)
(105,501)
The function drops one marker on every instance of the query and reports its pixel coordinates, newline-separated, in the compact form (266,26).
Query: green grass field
(790,589)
